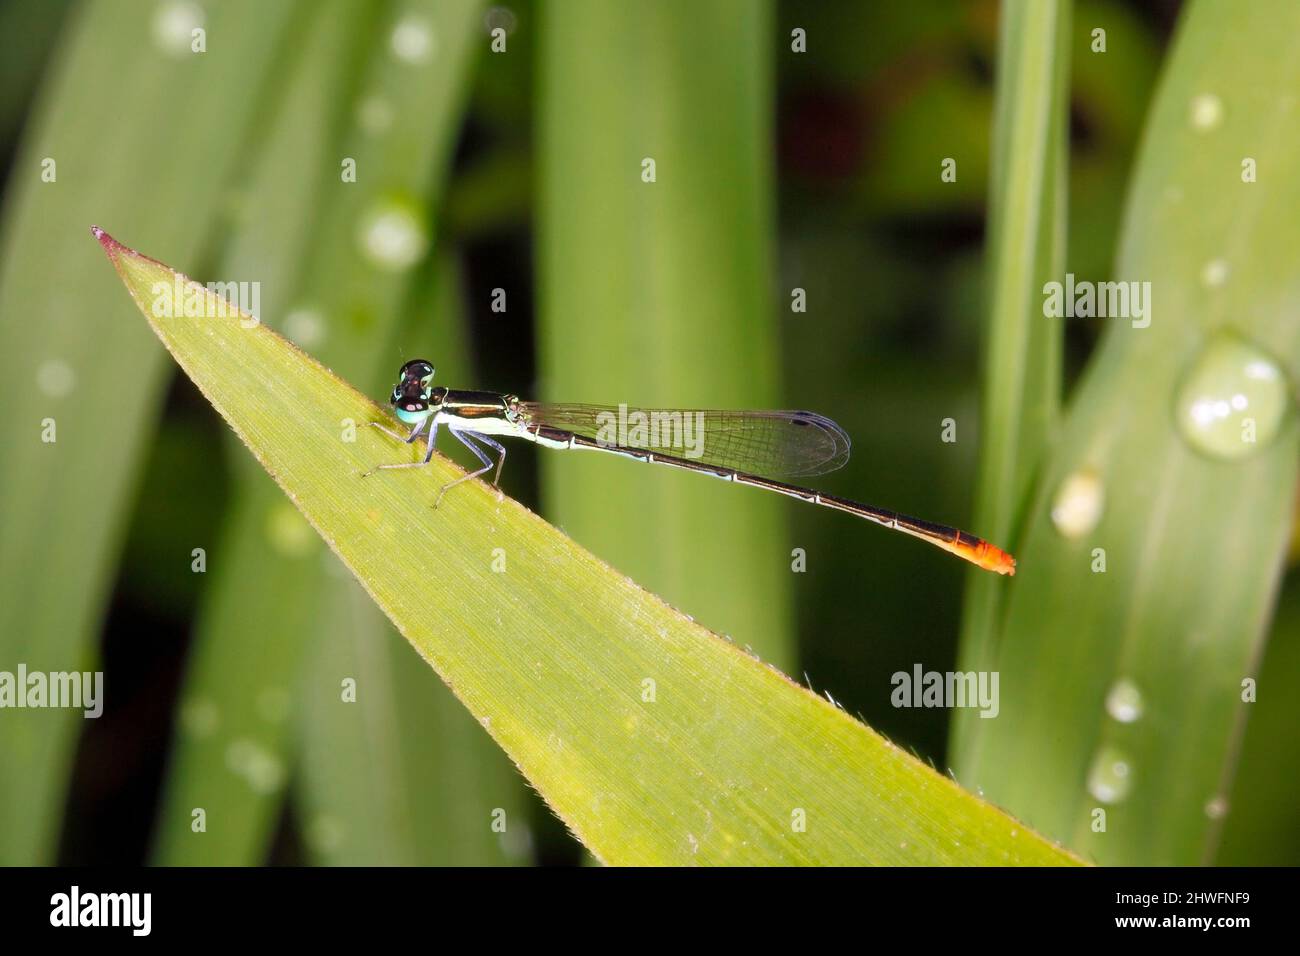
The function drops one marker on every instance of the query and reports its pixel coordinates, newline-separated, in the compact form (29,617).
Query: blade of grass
(1023,349)
(1262,825)
(646,299)
(67,356)
(29,29)
(655,741)
(1191,533)
(353,303)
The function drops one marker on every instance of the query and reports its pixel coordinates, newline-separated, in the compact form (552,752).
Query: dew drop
(1215,273)
(517,841)
(55,378)
(1077,507)
(502,17)
(1110,778)
(1217,808)
(199,717)
(305,327)
(1124,702)
(1206,112)
(412,40)
(1233,399)
(288,530)
(261,769)
(174,25)
(393,237)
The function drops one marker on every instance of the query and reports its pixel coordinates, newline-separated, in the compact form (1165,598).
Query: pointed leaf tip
(105,240)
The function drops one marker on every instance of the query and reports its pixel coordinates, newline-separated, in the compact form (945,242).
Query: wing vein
(776,443)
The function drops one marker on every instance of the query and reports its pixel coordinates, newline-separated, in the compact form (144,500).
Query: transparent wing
(779,443)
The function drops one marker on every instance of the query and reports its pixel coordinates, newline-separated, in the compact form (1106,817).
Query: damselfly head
(413,390)
(417,370)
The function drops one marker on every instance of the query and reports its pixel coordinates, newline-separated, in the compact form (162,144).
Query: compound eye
(411,396)
(416,370)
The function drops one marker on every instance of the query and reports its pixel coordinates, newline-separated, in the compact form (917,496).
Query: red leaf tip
(105,240)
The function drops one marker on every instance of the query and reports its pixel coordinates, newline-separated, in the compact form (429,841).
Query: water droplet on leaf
(1233,399)
(55,378)
(289,531)
(1111,776)
(1124,702)
(199,717)
(1077,507)
(500,17)
(412,40)
(1206,112)
(305,327)
(174,25)
(393,236)
(1215,273)
(263,770)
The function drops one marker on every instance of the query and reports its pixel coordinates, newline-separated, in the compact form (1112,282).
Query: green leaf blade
(647,301)
(553,656)
(1192,542)
(1022,373)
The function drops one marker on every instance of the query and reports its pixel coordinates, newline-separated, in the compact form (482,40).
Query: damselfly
(738,446)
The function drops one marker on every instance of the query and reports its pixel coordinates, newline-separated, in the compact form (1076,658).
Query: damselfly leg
(408,439)
(467,439)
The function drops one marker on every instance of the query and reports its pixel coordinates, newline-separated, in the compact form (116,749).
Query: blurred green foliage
(678,315)
(1131,637)
(247,135)
(69,357)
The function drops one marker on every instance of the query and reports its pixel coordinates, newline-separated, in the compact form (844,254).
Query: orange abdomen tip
(993,558)
(980,552)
